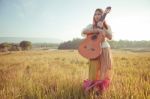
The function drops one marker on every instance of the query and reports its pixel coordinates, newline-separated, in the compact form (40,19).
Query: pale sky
(65,19)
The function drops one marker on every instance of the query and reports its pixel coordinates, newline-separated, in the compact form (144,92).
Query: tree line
(71,44)
(74,44)
(23,45)
(26,45)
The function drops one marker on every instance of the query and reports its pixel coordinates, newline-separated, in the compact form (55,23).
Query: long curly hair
(95,23)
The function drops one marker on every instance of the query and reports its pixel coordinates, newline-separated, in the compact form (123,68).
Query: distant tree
(5,46)
(25,45)
(14,47)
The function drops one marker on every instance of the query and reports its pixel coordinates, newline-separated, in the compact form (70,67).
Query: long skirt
(101,68)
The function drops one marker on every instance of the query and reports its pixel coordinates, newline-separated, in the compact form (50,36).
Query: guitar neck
(103,17)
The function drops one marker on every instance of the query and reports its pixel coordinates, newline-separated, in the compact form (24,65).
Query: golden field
(58,74)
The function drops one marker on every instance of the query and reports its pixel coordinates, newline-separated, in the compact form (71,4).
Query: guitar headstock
(107,10)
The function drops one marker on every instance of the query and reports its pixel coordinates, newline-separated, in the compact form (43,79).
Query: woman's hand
(100,24)
(100,30)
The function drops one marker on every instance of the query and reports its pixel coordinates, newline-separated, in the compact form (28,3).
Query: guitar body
(91,46)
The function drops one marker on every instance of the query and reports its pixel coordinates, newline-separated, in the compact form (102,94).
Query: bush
(25,45)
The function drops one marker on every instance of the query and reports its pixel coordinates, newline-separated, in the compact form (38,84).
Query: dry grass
(59,75)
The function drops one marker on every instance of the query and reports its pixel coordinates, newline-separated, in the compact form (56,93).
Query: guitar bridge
(89,48)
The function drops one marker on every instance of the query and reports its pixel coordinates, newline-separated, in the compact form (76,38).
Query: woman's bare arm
(96,30)
(108,36)
(108,33)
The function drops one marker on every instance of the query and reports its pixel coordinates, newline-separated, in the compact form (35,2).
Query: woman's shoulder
(89,26)
(109,27)
(109,31)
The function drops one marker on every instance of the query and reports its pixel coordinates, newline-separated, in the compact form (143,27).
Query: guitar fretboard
(103,17)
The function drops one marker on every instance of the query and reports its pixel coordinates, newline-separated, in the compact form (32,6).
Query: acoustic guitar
(90,47)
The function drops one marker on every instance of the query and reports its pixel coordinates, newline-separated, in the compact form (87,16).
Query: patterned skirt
(100,70)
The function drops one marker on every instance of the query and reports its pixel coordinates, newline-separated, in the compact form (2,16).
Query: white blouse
(105,44)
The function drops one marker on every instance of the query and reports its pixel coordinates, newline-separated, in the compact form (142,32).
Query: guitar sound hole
(94,37)
(93,49)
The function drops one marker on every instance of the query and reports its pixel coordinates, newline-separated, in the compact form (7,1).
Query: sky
(65,19)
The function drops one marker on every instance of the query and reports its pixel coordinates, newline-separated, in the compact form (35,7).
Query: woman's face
(97,15)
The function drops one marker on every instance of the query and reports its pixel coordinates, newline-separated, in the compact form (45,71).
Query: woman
(100,69)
